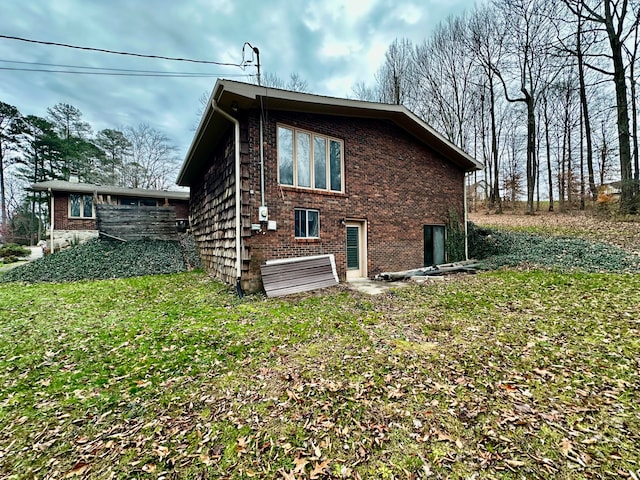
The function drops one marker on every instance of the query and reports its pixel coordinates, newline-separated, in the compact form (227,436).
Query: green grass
(502,375)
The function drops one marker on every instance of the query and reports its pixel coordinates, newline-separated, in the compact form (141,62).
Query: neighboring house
(609,192)
(276,174)
(74,206)
(478,192)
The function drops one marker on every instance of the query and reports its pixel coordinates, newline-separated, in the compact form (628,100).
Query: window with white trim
(309,160)
(80,206)
(307,223)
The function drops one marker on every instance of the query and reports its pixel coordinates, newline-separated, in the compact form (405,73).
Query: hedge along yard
(528,372)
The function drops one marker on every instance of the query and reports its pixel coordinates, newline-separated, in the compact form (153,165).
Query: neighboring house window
(307,223)
(309,160)
(138,202)
(80,206)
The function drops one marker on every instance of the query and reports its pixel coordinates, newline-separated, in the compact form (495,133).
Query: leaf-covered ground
(499,375)
(557,241)
(576,224)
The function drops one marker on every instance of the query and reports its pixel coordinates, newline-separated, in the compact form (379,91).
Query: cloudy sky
(332,44)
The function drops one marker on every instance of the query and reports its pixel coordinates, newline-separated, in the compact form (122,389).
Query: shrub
(12,252)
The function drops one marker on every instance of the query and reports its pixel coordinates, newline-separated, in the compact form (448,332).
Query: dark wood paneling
(137,223)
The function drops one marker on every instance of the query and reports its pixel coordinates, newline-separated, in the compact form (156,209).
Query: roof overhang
(77,187)
(230,96)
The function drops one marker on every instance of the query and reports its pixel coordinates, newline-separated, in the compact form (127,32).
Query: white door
(356,250)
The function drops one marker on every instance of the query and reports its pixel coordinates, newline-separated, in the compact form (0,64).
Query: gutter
(236,124)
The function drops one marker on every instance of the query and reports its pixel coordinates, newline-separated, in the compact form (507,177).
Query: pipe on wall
(52,219)
(236,124)
(466,227)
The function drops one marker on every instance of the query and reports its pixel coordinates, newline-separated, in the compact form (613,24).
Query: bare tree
(395,76)
(295,83)
(486,44)
(526,26)
(151,161)
(619,20)
(448,81)
(361,91)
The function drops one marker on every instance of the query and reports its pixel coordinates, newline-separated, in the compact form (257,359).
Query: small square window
(307,223)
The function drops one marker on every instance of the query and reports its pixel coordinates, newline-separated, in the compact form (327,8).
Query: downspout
(261,162)
(236,124)
(52,219)
(466,228)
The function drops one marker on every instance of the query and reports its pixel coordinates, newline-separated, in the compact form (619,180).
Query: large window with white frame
(309,160)
(80,206)
(307,223)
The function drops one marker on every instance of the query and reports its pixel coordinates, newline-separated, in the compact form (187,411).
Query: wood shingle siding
(295,275)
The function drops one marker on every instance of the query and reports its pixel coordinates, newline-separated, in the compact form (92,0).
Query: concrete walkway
(36,253)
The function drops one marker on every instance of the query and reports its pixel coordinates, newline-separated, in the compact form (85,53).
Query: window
(307,223)
(80,206)
(138,202)
(309,160)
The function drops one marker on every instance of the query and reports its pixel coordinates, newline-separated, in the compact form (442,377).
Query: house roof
(228,94)
(76,187)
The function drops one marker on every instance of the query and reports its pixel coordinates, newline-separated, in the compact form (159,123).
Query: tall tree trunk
(548,144)
(531,152)
(582,189)
(634,126)
(494,146)
(585,113)
(624,143)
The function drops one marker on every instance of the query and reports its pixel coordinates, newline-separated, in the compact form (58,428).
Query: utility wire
(208,62)
(91,68)
(117,74)
(105,70)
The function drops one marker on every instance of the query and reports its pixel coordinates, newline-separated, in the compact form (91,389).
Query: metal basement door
(356,248)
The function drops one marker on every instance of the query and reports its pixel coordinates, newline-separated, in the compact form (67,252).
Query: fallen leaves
(524,379)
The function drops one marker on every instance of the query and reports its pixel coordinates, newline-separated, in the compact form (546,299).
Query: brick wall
(392,181)
(182,208)
(61,216)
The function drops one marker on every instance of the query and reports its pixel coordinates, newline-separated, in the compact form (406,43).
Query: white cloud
(409,14)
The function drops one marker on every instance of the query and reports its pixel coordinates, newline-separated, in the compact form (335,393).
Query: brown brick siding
(61,216)
(182,208)
(391,180)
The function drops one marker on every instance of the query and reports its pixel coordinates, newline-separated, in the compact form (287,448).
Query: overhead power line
(117,74)
(109,71)
(116,52)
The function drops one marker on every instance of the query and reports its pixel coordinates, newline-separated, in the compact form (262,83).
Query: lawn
(509,374)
